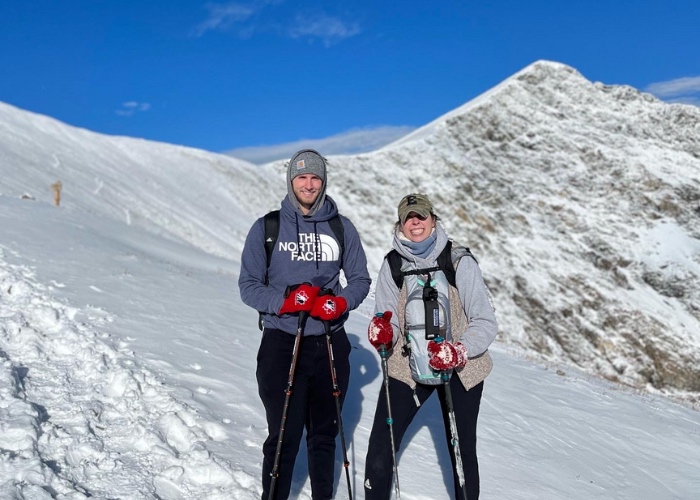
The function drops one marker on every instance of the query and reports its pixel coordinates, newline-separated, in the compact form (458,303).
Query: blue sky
(223,76)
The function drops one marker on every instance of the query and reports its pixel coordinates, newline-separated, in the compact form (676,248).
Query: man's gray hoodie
(306,251)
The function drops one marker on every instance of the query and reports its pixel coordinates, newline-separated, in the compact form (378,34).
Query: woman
(454,347)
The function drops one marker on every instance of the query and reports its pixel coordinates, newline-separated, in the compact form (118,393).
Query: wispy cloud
(223,16)
(682,90)
(353,141)
(329,29)
(245,19)
(680,86)
(131,107)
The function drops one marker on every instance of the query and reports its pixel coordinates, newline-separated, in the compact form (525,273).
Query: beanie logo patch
(301,164)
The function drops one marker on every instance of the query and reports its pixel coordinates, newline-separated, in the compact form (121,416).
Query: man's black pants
(312,407)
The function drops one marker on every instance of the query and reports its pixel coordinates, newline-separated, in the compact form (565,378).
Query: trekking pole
(454,436)
(336,393)
(384,354)
(290,382)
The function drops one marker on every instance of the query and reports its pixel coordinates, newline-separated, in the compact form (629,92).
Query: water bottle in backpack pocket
(426,317)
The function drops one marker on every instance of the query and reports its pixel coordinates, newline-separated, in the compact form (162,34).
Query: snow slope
(128,372)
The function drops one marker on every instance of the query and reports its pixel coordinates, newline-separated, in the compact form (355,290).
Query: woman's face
(416,228)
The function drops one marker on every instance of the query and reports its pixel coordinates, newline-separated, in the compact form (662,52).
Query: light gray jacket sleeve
(482,329)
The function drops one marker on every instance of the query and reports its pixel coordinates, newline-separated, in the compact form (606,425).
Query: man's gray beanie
(307,161)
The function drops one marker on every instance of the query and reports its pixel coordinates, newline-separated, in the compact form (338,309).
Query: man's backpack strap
(339,232)
(272,230)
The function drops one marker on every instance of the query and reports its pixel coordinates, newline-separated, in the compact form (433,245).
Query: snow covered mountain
(581,201)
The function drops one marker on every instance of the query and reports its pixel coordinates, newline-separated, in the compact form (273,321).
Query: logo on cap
(411,200)
(301,164)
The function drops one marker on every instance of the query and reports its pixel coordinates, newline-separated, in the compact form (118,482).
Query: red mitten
(442,355)
(298,298)
(328,307)
(380,332)
(461,355)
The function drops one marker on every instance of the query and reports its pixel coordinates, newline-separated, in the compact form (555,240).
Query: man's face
(306,188)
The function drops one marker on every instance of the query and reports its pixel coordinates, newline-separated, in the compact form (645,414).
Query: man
(307,258)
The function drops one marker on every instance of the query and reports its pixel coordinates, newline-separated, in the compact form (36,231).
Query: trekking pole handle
(302,317)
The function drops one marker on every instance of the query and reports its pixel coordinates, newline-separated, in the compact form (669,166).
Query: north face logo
(310,247)
(367,484)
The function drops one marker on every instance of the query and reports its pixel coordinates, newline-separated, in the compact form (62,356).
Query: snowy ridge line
(78,416)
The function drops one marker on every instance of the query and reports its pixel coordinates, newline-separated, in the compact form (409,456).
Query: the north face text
(311,247)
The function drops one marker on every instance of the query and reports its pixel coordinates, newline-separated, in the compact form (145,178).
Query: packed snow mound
(107,415)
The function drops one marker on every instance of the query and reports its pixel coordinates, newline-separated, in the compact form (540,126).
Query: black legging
(379,463)
(312,406)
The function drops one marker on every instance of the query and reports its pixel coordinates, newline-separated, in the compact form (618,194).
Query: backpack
(427,307)
(272,231)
